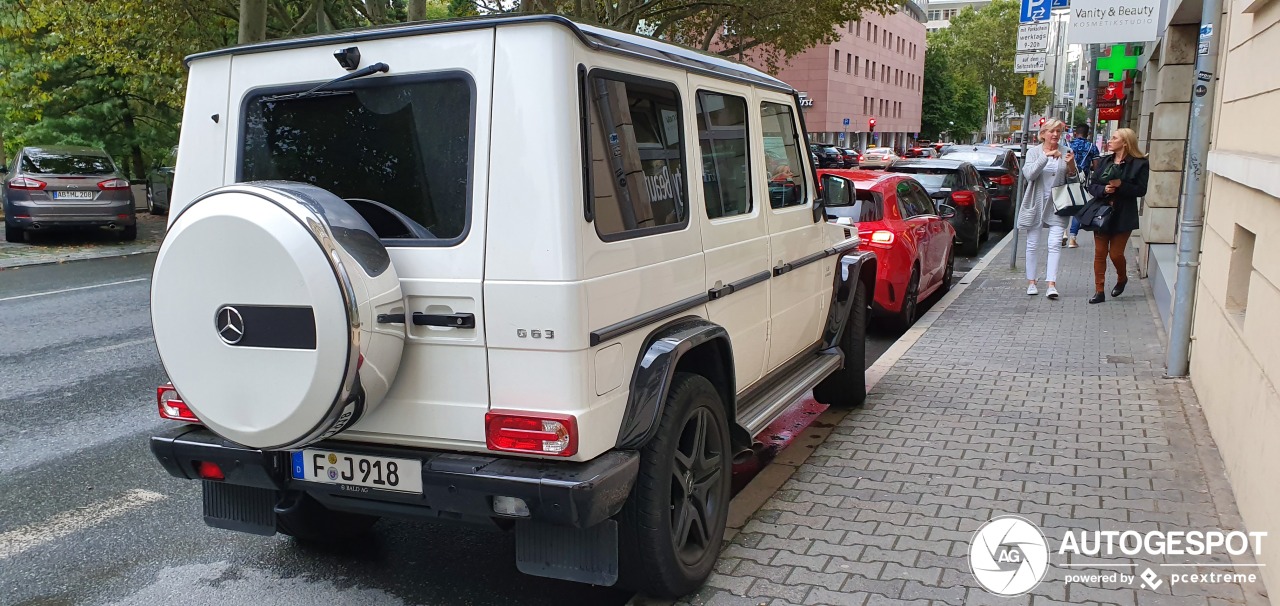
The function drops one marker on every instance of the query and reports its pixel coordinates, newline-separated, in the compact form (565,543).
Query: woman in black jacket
(1120,178)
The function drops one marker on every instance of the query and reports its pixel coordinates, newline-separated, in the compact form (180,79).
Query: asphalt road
(88,517)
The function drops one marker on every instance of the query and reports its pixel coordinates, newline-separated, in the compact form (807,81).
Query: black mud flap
(582,555)
(242,508)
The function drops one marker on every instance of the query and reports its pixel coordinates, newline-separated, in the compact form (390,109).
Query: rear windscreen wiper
(360,73)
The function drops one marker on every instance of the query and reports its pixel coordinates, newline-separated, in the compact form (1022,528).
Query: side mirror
(940,195)
(946,211)
(836,191)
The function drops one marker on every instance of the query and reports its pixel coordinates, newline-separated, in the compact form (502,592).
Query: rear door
(410,149)
(735,234)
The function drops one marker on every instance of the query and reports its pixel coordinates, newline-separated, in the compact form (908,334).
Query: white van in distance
(366,311)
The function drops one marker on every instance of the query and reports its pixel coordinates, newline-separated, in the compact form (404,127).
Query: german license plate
(380,473)
(73,195)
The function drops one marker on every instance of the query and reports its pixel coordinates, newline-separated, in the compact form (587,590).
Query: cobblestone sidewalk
(1055,411)
(80,245)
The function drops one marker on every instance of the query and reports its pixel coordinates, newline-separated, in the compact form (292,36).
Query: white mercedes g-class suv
(515,271)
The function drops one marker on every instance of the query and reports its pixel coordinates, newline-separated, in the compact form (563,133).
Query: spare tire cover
(264,302)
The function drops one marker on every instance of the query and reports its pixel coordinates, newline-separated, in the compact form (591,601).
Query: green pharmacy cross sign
(1118,63)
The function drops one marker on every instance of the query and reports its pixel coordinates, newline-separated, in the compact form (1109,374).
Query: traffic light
(1041,122)
(871,124)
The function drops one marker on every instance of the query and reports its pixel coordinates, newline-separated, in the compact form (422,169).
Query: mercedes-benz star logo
(1008,556)
(229,324)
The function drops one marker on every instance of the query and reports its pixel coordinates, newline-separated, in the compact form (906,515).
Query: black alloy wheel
(696,477)
(672,525)
(151,201)
(907,315)
(948,277)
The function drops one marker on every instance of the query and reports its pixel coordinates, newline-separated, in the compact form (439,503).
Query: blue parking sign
(846,122)
(1057,4)
(1034,11)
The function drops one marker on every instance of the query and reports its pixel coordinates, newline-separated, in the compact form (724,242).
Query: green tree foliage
(938,94)
(110,73)
(978,52)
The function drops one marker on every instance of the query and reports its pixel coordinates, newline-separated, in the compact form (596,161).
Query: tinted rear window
(976,158)
(67,164)
(405,145)
(933,179)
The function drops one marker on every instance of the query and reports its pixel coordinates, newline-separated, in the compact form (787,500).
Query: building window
(848,64)
(859,26)
(1239,274)
(837,65)
(856,67)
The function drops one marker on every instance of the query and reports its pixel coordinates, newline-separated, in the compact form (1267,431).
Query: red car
(908,231)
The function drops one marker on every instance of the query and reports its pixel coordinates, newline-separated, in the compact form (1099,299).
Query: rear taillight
(859,158)
(1005,180)
(26,183)
(963,198)
(113,184)
(882,236)
(531,432)
(171,405)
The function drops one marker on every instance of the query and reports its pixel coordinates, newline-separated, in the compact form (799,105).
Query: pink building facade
(876,70)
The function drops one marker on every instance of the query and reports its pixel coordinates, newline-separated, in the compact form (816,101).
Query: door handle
(443,320)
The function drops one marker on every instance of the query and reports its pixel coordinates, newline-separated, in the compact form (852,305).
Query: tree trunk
(253,21)
(137,165)
(377,11)
(417,10)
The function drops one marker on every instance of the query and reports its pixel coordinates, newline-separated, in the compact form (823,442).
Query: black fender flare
(856,269)
(656,367)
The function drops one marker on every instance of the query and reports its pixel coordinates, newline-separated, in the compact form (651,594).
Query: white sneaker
(1032,290)
(1052,293)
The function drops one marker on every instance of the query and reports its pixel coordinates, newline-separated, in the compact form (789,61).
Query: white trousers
(1033,247)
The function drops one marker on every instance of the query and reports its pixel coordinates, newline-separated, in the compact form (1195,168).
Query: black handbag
(1096,215)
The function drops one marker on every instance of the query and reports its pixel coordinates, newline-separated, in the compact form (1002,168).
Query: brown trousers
(1109,245)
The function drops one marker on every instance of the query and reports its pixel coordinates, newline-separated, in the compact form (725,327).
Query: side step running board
(755,412)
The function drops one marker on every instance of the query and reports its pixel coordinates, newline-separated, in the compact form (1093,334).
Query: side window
(906,201)
(871,206)
(924,204)
(784,169)
(637,157)
(722,134)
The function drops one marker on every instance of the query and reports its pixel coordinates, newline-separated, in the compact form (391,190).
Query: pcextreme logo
(1009,556)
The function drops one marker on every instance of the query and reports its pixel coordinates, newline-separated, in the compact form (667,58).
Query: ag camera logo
(1008,556)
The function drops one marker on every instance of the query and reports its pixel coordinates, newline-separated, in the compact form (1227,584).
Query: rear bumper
(72,216)
(455,486)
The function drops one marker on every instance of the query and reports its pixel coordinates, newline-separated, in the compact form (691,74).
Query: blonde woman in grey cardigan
(1047,166)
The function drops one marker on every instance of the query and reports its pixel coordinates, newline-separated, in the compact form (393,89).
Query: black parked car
(159,185)
(828,156)
(999,168)
(851,157)
(959,185)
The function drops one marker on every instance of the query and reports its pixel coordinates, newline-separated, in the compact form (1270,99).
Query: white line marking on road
(27,537)
(119,345)
(58,292)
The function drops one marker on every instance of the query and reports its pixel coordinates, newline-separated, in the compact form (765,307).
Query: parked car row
(830,156)
(910,232)
(926,207)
